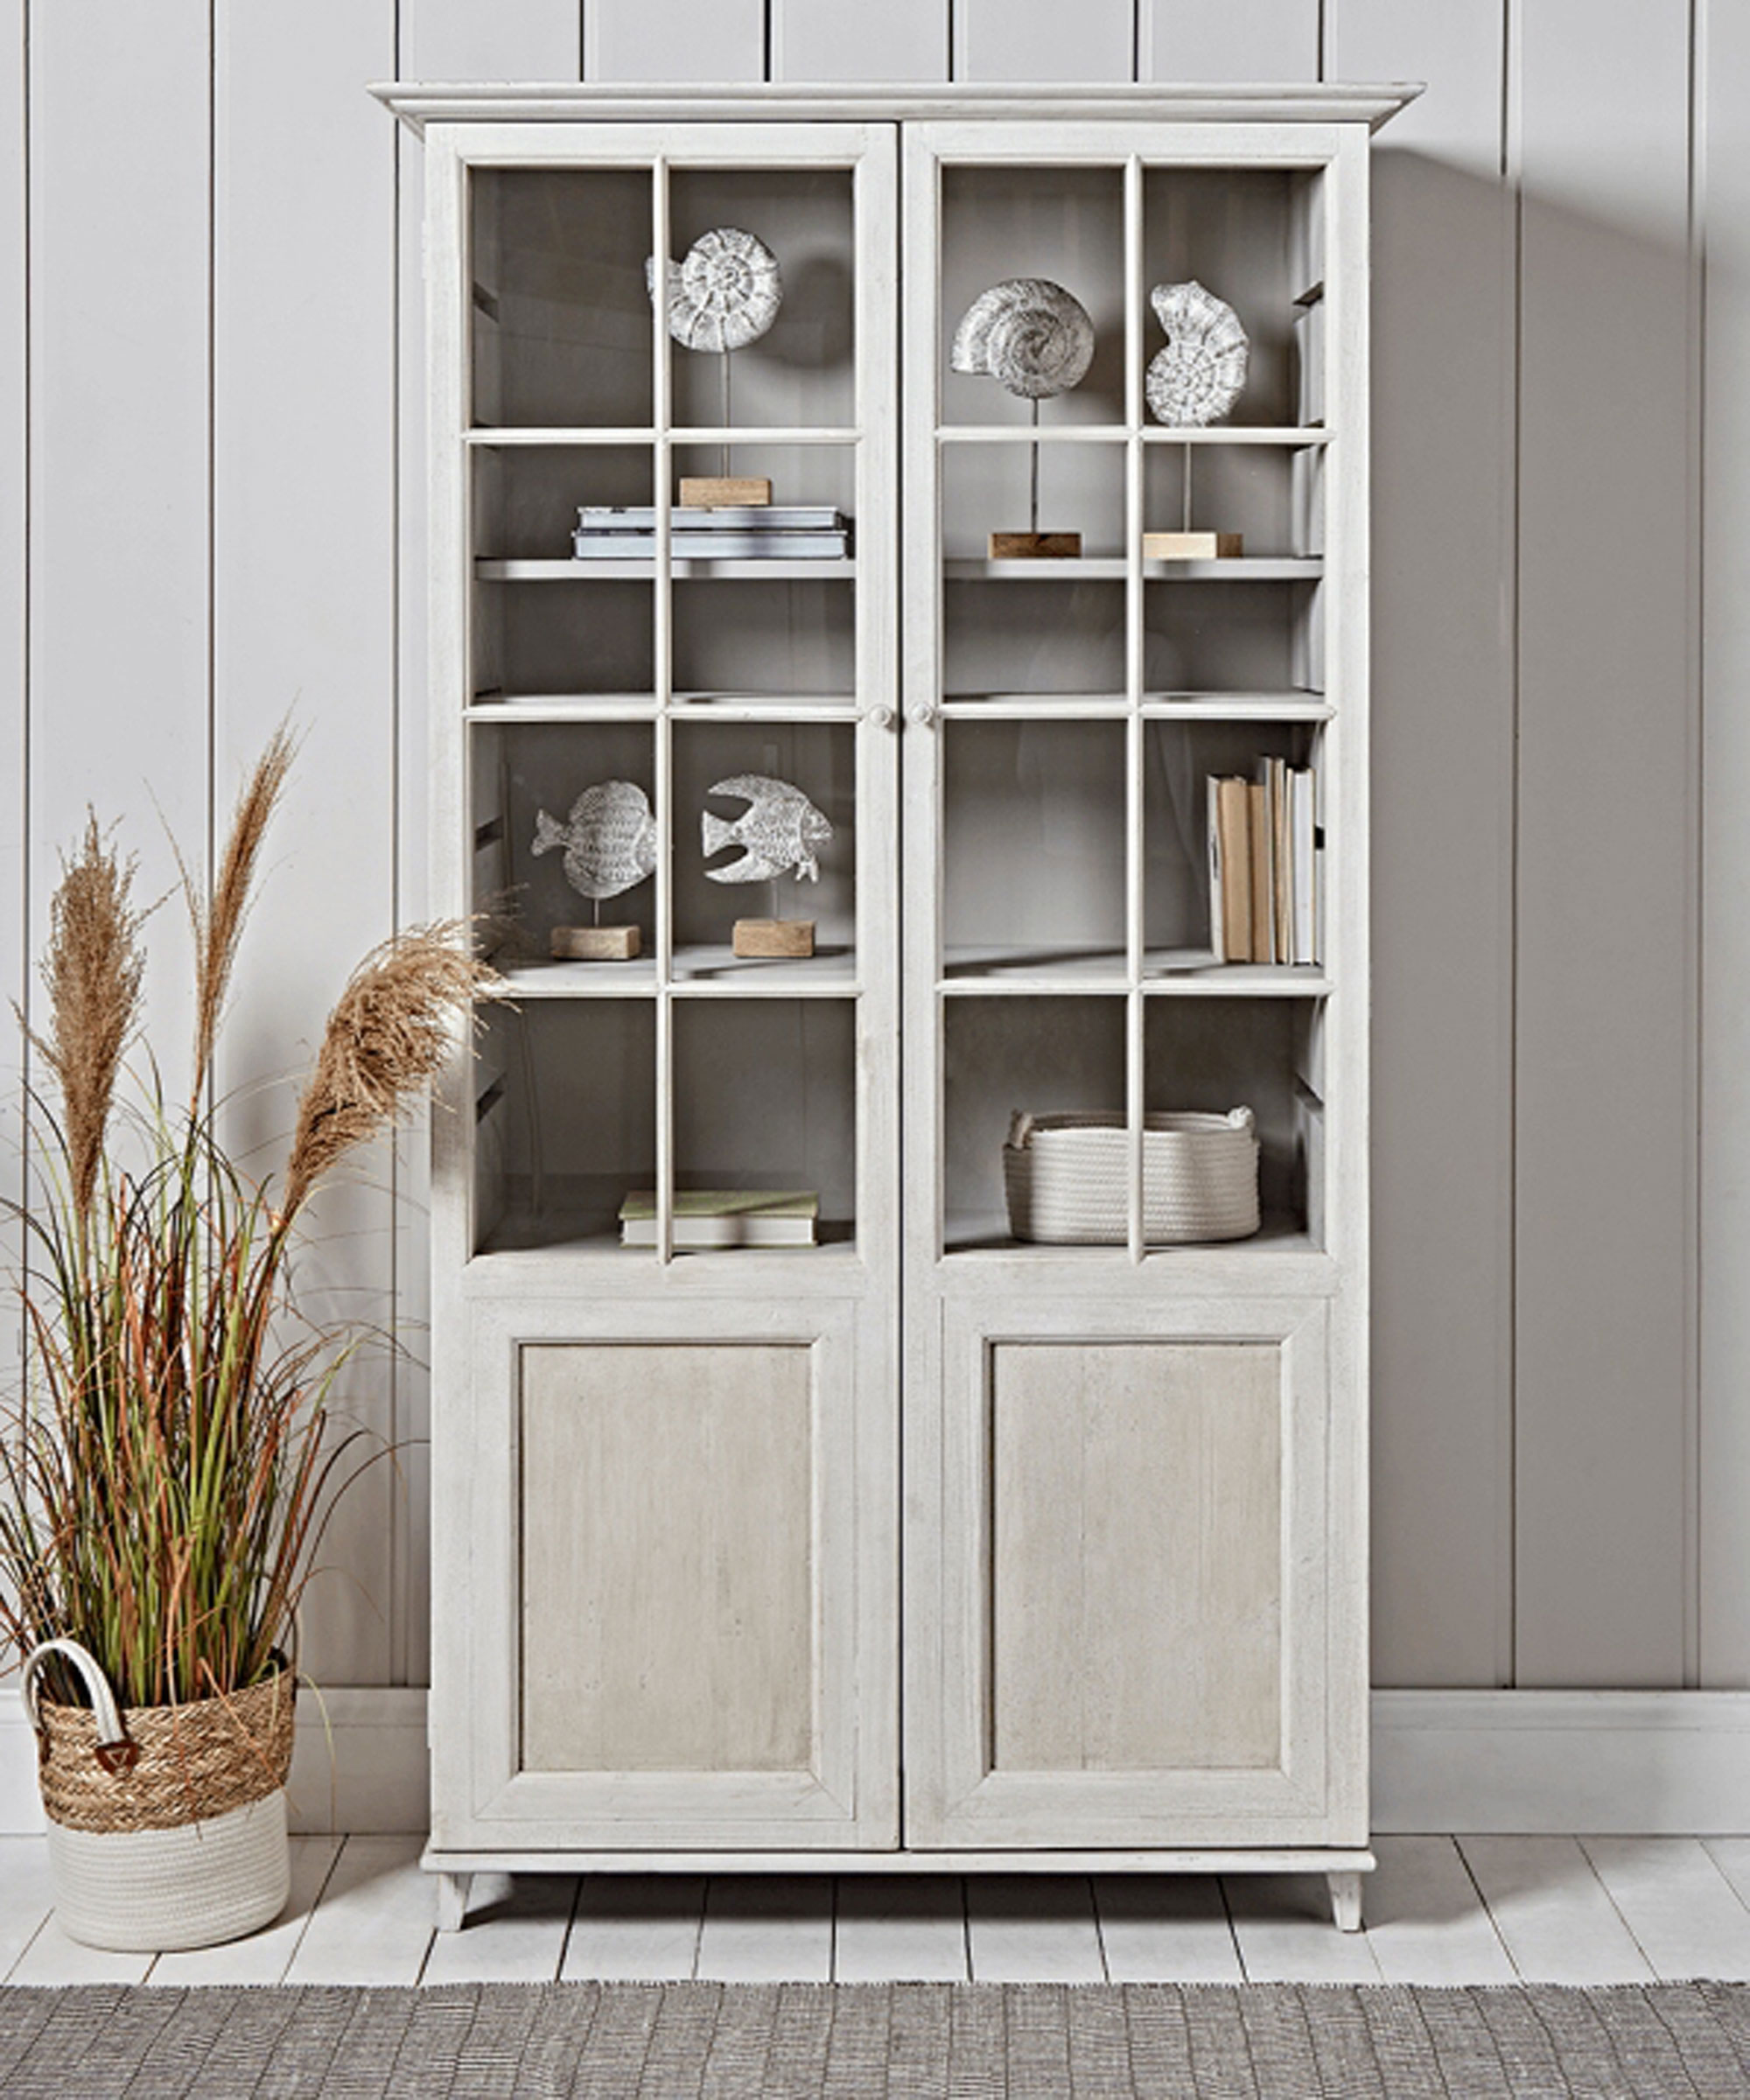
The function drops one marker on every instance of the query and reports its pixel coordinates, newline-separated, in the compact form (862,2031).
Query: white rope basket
(1067,1178)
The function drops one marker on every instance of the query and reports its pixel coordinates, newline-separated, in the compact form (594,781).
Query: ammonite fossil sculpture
(1202,371)
(1030,335)
(724,294)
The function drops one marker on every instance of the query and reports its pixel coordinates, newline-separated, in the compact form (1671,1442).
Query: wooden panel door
(680,1564)
(1134,1581)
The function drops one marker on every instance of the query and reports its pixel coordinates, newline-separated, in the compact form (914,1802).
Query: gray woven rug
(911,2041)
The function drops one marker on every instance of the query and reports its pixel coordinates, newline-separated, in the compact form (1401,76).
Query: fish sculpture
(780,829)
(610,839)
(1202,371)
(724,294)
(1030,335)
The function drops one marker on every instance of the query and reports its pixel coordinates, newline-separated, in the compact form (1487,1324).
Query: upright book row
(1266,848)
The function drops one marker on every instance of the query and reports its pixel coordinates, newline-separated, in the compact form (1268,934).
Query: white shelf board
(645,707)
(501,435)
(1290,435)
(491,569)
(1090,569)
(989,1234)
(1165,707)
(1165,976)
(523,1235)
(697,971)
(1181,972)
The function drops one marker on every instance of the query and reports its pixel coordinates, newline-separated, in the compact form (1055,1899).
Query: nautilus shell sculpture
(724,294)
(1030,335)
(1202,371)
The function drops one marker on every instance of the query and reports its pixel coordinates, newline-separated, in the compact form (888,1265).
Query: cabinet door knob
(923,712)
(879,716)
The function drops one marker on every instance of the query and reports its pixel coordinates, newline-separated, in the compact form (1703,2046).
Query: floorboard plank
(1731,1857)
(1165,1929)
(515,1932)
(52,1958)
(1283,1925)
(375,1921)
(1425,1922)
(1684,1913)
(768,1929)
(264,1957)
(1551,1911)
(631,1929)
(1032,1929)
(899,1928)
(25,1896)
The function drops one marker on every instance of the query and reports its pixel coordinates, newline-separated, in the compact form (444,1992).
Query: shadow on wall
(1531,698)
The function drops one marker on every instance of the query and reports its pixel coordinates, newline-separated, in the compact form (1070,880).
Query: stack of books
(792,532)
(1266,845)
(724,1217)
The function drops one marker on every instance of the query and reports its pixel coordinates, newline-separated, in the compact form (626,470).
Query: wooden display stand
(725,492)
(1192,546)
(774,937)
(1034,546)
(595,943)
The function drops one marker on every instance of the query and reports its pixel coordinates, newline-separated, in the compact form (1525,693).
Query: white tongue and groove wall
(210,458)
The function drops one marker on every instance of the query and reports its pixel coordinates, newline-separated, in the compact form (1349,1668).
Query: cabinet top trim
(418,103)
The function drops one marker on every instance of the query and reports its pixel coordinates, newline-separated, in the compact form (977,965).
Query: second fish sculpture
(1035,340)
(1202,372)
(610,846)
(780,832)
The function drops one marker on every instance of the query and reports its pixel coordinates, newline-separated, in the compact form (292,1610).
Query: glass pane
(562,317)
(1233,637)
(765,1104)
(1069,498)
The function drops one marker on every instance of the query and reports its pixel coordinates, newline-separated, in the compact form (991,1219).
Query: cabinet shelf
(496,435)
(985,1235)
(991,971)
(1093,569)
(492,570)
(1287,435)
(1167,707)
(695,969)
(645,707)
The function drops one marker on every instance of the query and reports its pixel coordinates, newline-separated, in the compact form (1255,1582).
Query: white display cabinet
(920,1544)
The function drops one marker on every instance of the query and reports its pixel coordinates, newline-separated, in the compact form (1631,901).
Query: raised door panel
(1137,1608)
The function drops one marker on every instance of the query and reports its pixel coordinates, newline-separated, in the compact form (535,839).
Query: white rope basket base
(145,1892)
(1068,1177)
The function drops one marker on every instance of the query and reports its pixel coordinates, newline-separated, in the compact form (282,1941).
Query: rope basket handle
(116,1751)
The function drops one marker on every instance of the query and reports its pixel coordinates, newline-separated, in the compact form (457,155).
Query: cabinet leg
(452,1900)
(1346,1902)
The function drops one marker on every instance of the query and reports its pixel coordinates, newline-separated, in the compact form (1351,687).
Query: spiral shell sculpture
(1202,371)
(724,294)
(1030,335)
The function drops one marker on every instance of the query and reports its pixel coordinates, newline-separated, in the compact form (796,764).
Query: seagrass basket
(166,1824)
(1067,1178)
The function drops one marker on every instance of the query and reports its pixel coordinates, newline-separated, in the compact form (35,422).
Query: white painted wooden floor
(1440,1910)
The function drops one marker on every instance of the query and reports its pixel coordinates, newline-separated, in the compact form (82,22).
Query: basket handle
(116,1751)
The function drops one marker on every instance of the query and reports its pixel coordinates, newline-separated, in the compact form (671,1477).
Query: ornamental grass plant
(172,1458)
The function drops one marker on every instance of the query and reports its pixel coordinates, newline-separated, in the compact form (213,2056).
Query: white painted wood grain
(824,40)
(1686,1917)
(1551,1911)
(515,1933)
(890,1929)
(1425,1921)
(373,1923)
(635,1929)
(1207,41)
(118,327)
(674,40)
(1165,1929)
(1026,1929)
(1442,843)
(511,40)
(261,1958)
(25,1896)
(767,1928)
(1724,1455)
(1283,1926)
(1606,1136)
(304,626)
(1035,42)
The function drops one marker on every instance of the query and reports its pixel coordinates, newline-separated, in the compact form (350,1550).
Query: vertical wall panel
(1605,1090)
(675,40)
(1725,1438)
(1037,40)
(14,808)
(304,435)
(828,40)
(1442,841)
(440,40)
(1264,40)
(120,99)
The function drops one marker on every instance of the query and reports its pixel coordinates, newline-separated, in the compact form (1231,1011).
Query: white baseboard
(1654,1762)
